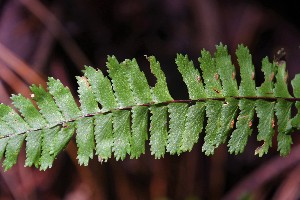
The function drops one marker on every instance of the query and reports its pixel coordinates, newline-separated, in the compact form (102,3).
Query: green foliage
(296,120)
(116,112)
(177,115)
(158,130)
(139,131)
(104,136)
(85,140)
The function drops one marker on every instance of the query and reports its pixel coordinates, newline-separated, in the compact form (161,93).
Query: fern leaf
(138,83)
(295,122)
(193,126)
(114,112)
(13,147)
(101,88)
(6,130)
(295,83)
(213,113)
(191,77)
(12,120)
(158,130)
(226,71)
(247,86)
(139,131)
(88,103)
(160,91)
(210,75)
(178,113)
(227,119)
(265,113)
(122,133)
(31,115)
(33,148)
(47,106)
(283,110)
(104,136)
(243,129)
(119,75)
(265,109)
(3,143)
(63,99)
(281,87)
(85,140)
(266,88)
(61,138)
(47,157)
(283,114)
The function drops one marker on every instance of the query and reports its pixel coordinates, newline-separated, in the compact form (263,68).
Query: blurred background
(58,37)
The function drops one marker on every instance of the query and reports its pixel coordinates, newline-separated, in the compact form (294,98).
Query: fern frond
(116,112)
